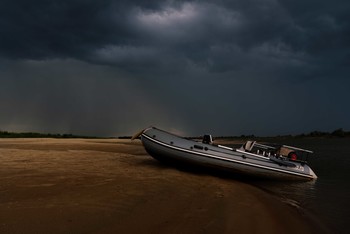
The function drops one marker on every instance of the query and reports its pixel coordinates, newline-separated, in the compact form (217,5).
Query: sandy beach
(113,186)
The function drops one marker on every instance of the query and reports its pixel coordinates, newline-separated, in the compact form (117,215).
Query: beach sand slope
(113,186)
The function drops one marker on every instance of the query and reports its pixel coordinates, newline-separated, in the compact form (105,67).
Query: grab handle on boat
(137,134)
(198,147)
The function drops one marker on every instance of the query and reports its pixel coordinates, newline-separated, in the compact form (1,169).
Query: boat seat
(207,139)
(249,145)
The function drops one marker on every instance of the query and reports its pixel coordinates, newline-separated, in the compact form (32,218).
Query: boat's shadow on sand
(280,188)
(203,170)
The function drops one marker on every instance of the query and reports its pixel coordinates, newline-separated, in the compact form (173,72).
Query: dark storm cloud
(51,29)
(110,62)
(218,35)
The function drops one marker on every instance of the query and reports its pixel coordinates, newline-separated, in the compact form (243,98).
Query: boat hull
(172,149)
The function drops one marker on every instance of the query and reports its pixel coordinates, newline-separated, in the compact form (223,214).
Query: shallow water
(327,198)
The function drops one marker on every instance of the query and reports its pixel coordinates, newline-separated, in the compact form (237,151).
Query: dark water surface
(328,198)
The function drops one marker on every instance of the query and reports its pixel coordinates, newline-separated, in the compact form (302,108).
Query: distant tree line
(6,134)
(336,133)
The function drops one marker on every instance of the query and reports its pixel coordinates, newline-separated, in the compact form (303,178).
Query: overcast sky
(111,68)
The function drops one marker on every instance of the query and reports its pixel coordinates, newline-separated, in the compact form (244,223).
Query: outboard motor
(207,139)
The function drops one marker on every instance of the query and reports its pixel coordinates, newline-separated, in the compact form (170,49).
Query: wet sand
(113,186)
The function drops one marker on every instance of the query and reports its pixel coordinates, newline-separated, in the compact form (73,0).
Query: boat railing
(285,152)
(258,148)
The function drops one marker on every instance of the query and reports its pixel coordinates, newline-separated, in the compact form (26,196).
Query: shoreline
(110,185)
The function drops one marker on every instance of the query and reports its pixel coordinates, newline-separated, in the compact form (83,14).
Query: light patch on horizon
(69,96)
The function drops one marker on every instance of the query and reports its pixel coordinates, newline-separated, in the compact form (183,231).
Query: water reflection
(327,198)
(299,194)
